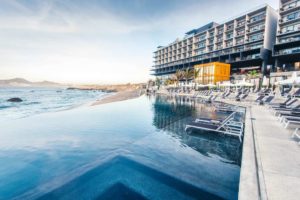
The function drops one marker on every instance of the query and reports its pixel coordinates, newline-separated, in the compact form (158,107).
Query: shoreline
(119,96)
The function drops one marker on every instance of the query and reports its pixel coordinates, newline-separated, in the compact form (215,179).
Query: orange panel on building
(211,73)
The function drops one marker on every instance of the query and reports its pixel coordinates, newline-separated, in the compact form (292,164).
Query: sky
(99,41)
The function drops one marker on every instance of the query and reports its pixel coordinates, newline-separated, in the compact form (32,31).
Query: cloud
(98,41)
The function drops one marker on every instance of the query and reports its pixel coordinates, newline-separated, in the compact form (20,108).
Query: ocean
(41,100)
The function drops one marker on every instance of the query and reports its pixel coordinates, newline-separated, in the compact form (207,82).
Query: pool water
(134,149)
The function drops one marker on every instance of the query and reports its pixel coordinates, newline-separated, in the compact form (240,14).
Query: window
(238,49)
(240,41)
(292,16)
(289,39)
(255,37)
(229,44)
(201,45)
(242,32)
(291,28)
(291,5)
(256,28)
(254,46)
(230,26)
(229,35)
(257,18)
(241,23)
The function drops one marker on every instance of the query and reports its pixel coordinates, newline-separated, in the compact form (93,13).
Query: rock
(15,99)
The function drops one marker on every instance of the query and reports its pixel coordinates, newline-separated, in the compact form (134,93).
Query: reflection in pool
(134,149)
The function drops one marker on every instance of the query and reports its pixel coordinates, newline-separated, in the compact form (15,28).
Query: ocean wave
(3,107)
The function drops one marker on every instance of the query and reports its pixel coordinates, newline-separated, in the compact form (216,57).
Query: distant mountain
(20,82)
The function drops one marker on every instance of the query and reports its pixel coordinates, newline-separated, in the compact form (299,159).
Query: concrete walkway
(278,156)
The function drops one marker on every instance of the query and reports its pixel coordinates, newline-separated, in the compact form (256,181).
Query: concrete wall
(271,28)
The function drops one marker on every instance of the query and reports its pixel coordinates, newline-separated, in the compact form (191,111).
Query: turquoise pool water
(135,149)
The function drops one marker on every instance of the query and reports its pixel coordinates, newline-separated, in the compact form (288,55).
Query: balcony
(289,8)
(295,50)
(289,31)
(290,39)
(256,20)
(256,30)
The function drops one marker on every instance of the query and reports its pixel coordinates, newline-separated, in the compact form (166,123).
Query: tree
(188,74)
(169,81)
(178,76)
(252,74)
(158,82)
(196,76)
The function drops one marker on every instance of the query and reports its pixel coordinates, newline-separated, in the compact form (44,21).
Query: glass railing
(288,51)
(291,39)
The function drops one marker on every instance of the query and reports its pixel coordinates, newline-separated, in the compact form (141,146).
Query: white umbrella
(290,81)
(200,85)
(227,84)
(210,85)
(265,81)
(244,83)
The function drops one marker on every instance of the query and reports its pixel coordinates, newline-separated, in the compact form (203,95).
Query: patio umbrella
(210,85)
(227,84)
(244,83)
(265,81)
(294,80)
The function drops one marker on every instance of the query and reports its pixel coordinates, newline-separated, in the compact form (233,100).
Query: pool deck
(271,158)
(270,167)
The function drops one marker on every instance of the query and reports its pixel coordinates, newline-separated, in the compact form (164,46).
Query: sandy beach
(120,96)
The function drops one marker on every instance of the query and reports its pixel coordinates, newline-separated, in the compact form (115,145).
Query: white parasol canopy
(244,83)
(210,85)
(265,81)
(227,84)
(294,80)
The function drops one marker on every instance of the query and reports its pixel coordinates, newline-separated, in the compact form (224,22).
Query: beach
(120,96)
(119,92)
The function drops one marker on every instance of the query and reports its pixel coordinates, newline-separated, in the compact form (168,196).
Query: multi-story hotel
(287,49)
(244,42)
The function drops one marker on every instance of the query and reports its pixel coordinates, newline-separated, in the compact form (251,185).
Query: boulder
(15,99)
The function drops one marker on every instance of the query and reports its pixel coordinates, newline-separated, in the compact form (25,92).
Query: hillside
(20,82)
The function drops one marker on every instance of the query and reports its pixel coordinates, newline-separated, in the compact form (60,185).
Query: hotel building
(245,42)
(286,51)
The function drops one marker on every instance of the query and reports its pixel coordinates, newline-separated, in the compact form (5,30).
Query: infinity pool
(134,149)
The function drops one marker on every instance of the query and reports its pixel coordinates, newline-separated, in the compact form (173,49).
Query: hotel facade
(245,42)
(286,52)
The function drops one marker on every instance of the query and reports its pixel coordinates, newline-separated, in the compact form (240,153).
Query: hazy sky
(99,41)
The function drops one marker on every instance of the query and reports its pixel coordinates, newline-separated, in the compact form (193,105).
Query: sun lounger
(269,99)
(289,117)
(286,104)
(297,93)
(290,121)
(276,111)
(280,104)
(259,98)
(227,126)
(296,134)
(208,120)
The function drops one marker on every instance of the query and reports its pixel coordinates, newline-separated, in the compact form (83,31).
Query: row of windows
(202,46)
(290,28)
(257,18)
(289,39)
(256,37)
(291,5)
(291,16)
(290,51)
(257,27)
(224,52)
